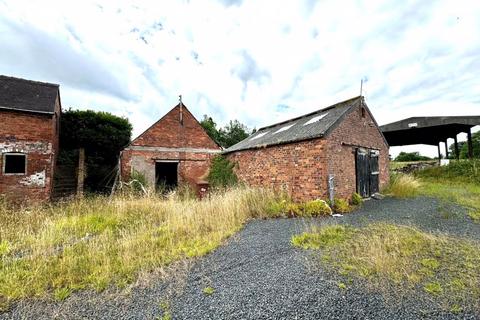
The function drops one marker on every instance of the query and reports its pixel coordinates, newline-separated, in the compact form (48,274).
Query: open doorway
(166,175)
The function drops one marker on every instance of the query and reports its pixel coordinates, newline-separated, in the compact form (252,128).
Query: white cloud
(248,60)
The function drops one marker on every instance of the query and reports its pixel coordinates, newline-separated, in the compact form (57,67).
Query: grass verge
(457,182)
(445,268)
(98,242)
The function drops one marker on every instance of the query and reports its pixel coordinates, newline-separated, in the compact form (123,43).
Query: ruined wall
(33,135)
(302,168)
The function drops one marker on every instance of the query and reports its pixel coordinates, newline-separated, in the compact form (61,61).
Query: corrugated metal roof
(26,95)
(309,126)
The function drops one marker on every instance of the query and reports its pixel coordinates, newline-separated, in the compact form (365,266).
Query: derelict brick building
(29,132)
(174,150)
(298,156)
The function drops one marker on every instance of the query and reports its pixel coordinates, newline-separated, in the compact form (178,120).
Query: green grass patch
(323,237)
(386,255)
(208,290)
(463,193)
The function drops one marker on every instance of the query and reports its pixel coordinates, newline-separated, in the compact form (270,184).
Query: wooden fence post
(81,172)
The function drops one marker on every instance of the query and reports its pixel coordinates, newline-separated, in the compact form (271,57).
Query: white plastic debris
(337,215)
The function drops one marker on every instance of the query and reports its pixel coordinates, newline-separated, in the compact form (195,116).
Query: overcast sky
(256,61)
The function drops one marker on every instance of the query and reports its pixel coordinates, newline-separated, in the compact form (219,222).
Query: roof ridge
(310,113)
(30,81)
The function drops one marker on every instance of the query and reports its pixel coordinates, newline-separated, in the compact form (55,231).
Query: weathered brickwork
(302,168)
(36,136)
(172,138)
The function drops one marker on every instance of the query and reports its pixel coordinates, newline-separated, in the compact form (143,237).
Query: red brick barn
(341,143)
(29,131)
(174,150)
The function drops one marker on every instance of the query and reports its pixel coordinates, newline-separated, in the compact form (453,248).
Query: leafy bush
(222,173)
(342,206)
(316,208)
(403,186)
(357,199)
(102,135)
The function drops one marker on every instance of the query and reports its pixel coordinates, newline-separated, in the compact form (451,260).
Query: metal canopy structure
(431,131)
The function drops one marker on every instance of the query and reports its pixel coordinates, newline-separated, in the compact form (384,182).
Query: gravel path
(259,275)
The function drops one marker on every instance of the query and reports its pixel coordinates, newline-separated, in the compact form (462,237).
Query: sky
(256,61)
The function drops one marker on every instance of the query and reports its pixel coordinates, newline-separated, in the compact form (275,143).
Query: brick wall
(296,168)
(302,168)
(169,132)
(168,139)
(36,136)
(354,131)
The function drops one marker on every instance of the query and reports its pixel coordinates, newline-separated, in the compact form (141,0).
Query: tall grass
(97,242)
(403,186)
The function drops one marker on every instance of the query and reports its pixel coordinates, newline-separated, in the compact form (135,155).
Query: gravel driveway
(259,275)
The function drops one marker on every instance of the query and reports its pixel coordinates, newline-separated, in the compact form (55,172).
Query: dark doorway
(166,175)
(366,163)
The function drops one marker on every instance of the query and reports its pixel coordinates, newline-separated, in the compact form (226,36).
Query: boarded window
(14,163)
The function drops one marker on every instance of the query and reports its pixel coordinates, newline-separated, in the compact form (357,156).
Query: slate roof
(26,95)
(313,125)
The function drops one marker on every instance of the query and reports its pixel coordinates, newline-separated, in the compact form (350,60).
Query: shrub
(403,186)
(222,173)
(357,199)
(316,208)
(341,206)
(284,208)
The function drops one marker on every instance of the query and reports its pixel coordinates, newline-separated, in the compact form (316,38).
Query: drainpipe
(331,188)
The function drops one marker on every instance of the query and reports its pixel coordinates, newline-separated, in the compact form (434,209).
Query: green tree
(233,133)
(227,136)
(411,156)
(102,135)
(211,128)
(451,148)
(475,145)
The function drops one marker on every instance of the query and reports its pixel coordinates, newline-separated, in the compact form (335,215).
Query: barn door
(362,171)
(374,172)
(366,163)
